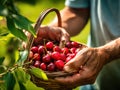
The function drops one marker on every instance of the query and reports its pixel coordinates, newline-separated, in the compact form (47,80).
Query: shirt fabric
(105,26)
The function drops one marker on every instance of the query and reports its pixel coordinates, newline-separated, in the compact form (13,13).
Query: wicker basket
(49,84)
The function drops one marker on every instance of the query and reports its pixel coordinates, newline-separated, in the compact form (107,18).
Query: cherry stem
(45,46)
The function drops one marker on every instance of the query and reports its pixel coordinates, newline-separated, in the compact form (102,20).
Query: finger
(75,80)
(65,35)
(42,33)
(69,80)
(74,64)
(54,33)
(63,40)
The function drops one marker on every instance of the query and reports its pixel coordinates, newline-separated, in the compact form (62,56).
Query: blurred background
(31,9)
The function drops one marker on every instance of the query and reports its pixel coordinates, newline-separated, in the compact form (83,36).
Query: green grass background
(32,12)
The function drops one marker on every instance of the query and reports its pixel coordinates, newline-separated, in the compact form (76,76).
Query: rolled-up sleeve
(77,3)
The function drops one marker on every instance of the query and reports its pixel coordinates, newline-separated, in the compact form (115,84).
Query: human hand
(85,65)
(52,33)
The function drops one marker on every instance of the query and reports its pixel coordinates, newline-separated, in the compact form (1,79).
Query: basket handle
(39,22)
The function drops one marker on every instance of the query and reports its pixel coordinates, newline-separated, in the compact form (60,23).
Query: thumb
(71,66)
(74,64)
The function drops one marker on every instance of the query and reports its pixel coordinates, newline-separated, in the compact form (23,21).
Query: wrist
(112,49)
(104,55)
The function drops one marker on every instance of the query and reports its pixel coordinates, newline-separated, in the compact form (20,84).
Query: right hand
(86,65)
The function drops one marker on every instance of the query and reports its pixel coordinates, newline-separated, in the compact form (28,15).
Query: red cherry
(65,50)
(36,57)
(68,44)
(68,59)
(49,45)
(75,44)
(37,63)
(56,55)
(63,57)
(73,50)
(59,64)
(43,66)
(34,49)
(72,55)
(41,50)
(46,58)
(51,67)
(57,48)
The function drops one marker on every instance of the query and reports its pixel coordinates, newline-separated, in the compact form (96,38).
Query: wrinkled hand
(52,33)
(86,65)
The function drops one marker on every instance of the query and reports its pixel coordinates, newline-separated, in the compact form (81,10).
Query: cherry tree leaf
(38,73)
(23,23)
(18,33)
(9,81)
(21,75)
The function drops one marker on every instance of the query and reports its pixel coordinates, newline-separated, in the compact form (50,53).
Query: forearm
(112,49)
(73,20)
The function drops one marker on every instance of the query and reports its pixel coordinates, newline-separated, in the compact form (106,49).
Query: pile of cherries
(50,57)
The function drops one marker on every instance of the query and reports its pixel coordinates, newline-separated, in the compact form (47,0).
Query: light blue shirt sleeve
(77,3)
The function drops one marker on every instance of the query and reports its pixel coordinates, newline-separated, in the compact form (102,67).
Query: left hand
(85,65)
(52,33)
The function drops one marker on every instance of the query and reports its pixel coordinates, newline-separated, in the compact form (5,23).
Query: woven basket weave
(49,84)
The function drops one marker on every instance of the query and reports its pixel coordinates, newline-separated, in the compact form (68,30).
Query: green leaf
(38,73)
(18,33)
(3,11)
(1,60)
(2,67)
(23,57)
(3,31)
(2,86)
(9,81)
(24,23)
(2,2)
(22,87)
(21,75)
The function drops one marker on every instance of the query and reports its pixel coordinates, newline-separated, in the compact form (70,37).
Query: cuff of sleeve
(77,3)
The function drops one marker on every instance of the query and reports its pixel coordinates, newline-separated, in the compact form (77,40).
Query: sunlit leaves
(3,31)
(23,23)
(21,75)
(15,22)
(18,33)
(38,73)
